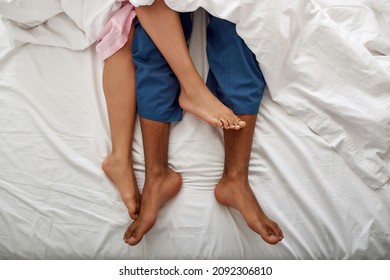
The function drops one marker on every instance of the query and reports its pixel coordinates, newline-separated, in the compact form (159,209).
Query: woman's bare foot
(203,104)
(120,171)
(238,194)
(158,189)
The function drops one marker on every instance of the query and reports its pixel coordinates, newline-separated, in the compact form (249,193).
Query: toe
(133,215)
(241,123)
(272,239)
(225,123)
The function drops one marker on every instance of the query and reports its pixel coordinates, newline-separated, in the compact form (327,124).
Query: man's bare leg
(164,27)
(234,190)
(161,182)
(119,90)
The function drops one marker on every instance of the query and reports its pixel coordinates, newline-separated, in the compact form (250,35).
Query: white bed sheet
(56,203)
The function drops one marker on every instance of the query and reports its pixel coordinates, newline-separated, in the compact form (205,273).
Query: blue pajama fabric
(234,75)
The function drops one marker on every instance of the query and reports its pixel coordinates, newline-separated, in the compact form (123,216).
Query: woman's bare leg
(164,27)
(119,90)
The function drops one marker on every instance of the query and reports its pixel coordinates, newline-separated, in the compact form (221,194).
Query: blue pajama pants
(234,76)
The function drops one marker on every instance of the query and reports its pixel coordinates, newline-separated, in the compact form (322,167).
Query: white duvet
(324,62)
(61,23)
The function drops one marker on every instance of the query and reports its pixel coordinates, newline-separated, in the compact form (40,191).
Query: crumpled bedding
(56,202)
(62,23)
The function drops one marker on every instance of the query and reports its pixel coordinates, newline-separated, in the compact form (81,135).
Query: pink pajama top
(115,32)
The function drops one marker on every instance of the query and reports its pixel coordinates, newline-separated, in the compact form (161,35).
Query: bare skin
(223,117)
(237,193)
(121,172)
(161,23)
(161,182)
(157,191)
(233,190)
(119,90)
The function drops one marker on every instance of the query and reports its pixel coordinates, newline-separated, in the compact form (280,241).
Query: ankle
(120,156)
(157,171)
(235,175)
(191,84)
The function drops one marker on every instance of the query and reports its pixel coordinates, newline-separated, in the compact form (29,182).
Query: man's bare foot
(158,189)
(237,194)
(207,107)
(121,172)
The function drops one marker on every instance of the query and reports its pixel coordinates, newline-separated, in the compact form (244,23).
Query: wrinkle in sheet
(287,191)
